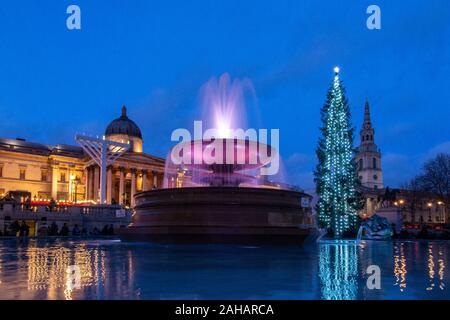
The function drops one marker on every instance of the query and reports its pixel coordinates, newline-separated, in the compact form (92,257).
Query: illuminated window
(1,171)
(43,175)
(22,174)
(43,195)
(62,196)
(63,177)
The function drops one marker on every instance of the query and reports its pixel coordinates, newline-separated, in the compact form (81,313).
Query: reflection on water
(338,267)
(45,268)
(37,269)
(400,266)
(433,267)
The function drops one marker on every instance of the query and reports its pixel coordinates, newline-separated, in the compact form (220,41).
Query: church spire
(369,156)
(124,111)
(367,123)
(367,132)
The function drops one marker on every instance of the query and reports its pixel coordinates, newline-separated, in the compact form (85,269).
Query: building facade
(368,158)
(368,161)
(67,174)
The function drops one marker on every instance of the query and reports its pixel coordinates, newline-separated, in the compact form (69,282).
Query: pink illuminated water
(223,108)
(223,103)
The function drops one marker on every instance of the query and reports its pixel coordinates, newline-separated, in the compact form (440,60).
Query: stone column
(86,183)
(109,185)
(168,181)
(95,195)
(91,183)
(133,186)
(55,172)
(144,180)
(121,185)
(155,180)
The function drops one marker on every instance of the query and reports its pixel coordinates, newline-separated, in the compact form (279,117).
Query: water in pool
(111,269)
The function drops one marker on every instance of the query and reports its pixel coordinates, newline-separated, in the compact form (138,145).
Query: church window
(360,177)
(374,162)
(375,177)
(360,164)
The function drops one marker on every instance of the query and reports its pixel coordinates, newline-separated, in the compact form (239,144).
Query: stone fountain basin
(220,214)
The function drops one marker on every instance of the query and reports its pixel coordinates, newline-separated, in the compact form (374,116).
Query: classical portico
(133,172)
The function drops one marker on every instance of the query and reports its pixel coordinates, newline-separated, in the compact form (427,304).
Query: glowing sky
(154,56)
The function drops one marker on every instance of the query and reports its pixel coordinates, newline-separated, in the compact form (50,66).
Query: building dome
(123,125)
(124,129)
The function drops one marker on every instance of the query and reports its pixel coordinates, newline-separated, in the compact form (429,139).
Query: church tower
(368,157)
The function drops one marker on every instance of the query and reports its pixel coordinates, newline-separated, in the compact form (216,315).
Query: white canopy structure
(104,153)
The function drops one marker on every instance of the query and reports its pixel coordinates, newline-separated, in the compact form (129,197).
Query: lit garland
(335,175)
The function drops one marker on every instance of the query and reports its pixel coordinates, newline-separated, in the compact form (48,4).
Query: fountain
(215,188)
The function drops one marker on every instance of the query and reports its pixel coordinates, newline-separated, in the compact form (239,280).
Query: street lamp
(74,182)
(441,212)
(429,205)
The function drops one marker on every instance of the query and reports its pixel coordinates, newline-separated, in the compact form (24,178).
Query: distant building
(368,158)
(368,161)
(66,173)
(416,206)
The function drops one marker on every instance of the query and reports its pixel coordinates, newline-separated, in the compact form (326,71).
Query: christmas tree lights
(335,175)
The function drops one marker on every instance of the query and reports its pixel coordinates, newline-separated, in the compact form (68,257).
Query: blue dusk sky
(154,56)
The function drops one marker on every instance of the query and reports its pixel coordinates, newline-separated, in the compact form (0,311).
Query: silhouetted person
(64,230)
(52,204)
(43,231)
(28,204)
(111,230)
(15,228)
(24,229)
(53,229)
(95,231)
(105,230)
(76,231)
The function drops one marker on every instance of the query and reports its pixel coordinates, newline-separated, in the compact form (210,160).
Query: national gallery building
(67,174)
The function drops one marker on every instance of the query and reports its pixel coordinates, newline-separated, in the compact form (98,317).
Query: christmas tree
(335,176)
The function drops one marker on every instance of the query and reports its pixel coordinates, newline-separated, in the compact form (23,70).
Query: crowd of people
(21,229)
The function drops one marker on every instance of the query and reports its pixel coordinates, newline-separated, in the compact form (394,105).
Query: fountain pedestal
(220,214)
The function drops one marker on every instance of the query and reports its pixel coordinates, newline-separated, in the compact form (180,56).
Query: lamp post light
(429,205)
(441,211)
